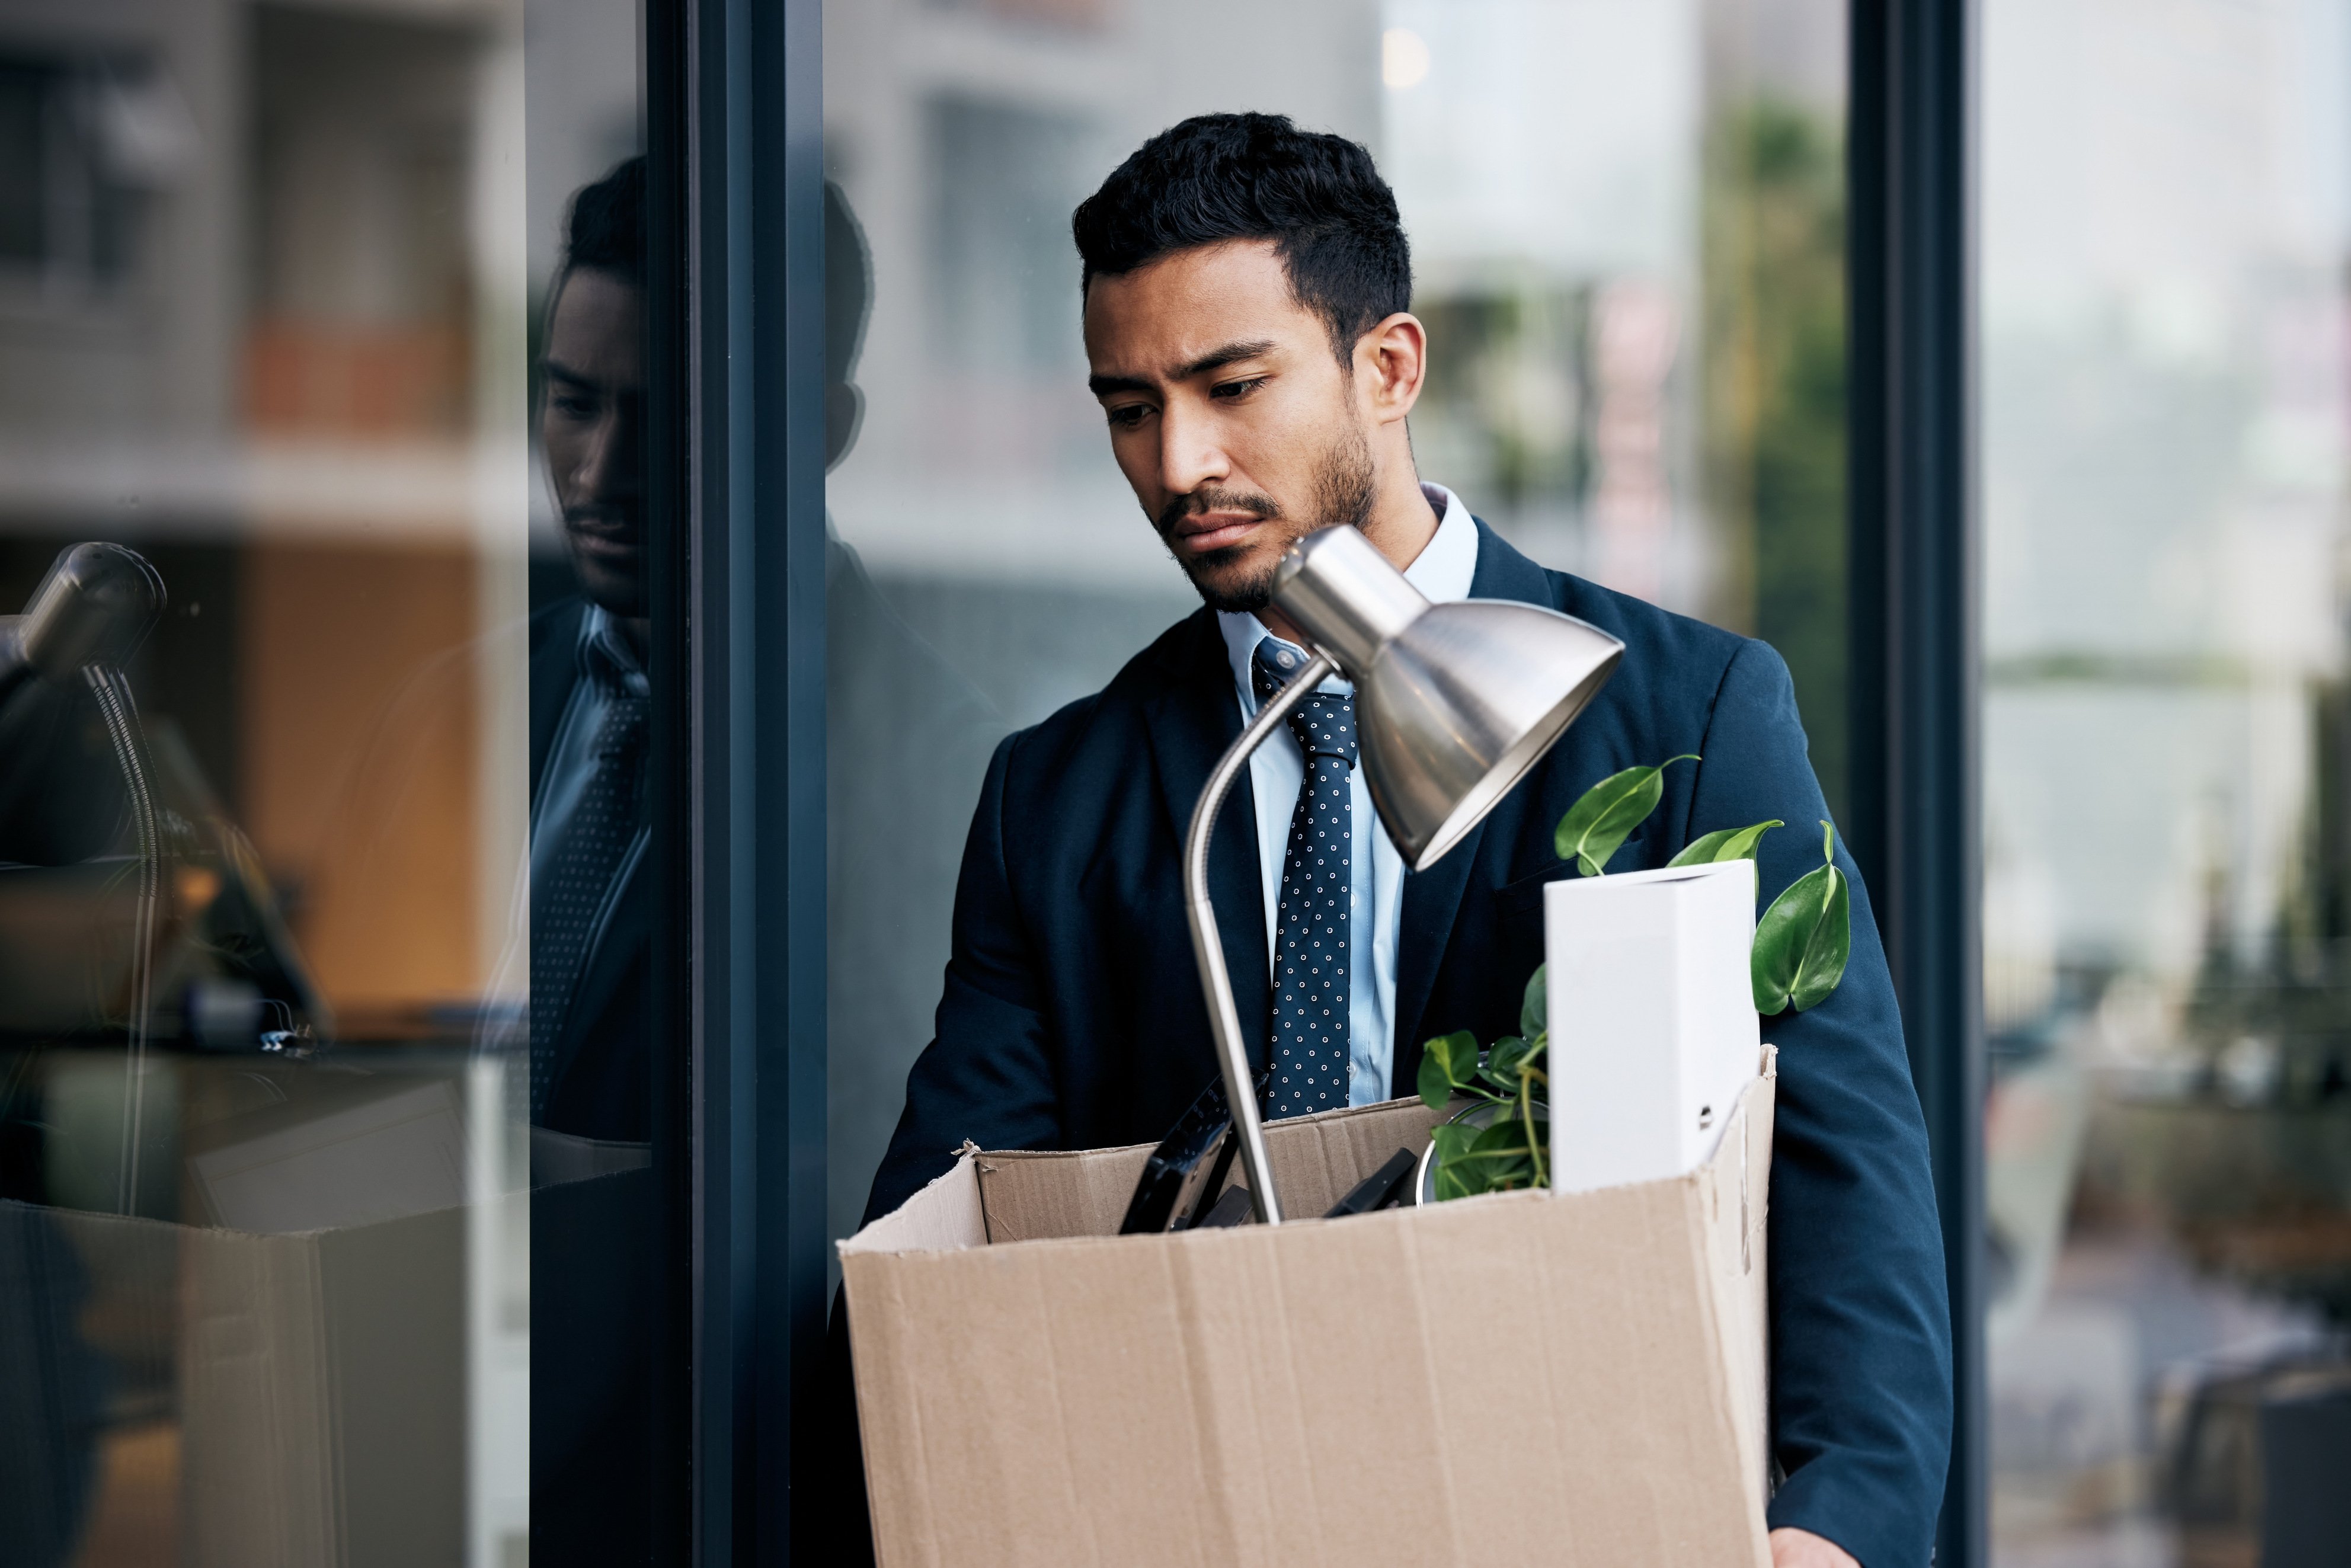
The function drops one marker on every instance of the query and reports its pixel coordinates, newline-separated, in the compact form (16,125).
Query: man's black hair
(607,229)
(1218,177)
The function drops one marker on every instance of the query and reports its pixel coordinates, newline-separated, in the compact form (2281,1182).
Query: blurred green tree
(1772,210)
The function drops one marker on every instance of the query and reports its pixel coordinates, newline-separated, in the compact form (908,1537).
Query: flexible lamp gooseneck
(1454,703)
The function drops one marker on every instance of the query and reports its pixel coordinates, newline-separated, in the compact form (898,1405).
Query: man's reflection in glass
(588,1006)
(592,1040)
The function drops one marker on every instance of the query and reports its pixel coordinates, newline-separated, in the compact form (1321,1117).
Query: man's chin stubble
(1233,593)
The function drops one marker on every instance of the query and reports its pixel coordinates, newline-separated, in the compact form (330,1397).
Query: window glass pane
(2165,210)
(275,746)
(1626,222)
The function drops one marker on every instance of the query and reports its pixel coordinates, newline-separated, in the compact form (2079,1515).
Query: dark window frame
(1915,806)
(735,137)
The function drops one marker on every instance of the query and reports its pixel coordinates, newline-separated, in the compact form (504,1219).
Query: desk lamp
(1454,703)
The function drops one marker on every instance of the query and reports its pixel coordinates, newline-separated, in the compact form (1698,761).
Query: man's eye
(1126,416)
(1229,390)
(572,406)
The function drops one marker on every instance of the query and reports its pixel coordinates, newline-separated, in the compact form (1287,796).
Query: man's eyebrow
(563,372)
(1102,386)
(1218,359)
(1213,359)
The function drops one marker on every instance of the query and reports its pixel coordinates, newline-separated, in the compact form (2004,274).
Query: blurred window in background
(83,137)
(1628,229)
(2165,397)
(295,1265)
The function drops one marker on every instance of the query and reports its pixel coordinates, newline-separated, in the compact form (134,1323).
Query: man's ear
(1391,364)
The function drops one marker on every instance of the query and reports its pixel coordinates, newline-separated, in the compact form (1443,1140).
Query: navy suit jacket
(1072,1015)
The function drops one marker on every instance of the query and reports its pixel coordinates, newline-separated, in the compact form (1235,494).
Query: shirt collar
(606,656)
(1442,571)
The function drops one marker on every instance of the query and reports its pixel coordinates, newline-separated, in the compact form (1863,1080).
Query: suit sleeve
(988,1074)
(1861,1345)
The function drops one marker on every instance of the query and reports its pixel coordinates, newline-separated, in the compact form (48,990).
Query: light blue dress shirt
(1442,572)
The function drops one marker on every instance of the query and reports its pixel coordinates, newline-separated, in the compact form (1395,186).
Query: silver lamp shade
(1453,702)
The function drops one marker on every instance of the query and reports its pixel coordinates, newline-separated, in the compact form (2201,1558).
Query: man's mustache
(1209,500)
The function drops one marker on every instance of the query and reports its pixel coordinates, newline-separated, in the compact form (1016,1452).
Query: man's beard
(1343,498)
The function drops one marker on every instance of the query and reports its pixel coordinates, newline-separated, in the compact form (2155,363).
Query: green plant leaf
(1499,1158)
(1502,1064)
(1832,944)
(1453,1177)
(1725,844)
(1452,1140)
(1447,1063)
(1534,1007)
(1805,939)
(1599,822)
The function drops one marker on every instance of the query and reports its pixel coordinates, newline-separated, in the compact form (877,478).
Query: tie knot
(1324,723)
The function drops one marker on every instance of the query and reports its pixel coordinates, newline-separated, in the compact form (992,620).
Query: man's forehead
(1175,311)
(594,330)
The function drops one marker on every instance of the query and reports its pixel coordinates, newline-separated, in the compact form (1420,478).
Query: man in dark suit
(1245,308)
(592,1046)
(591,1012)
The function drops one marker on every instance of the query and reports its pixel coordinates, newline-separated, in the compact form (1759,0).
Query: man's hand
(1793,1548)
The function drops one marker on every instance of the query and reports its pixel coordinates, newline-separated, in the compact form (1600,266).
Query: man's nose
(1189,452)
(608,466)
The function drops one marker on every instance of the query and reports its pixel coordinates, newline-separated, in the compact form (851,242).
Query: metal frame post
(749,108)
(1916,829)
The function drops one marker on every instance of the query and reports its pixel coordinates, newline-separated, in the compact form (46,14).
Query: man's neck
(1401,525)
(636,634)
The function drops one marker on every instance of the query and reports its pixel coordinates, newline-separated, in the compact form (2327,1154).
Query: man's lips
(599,540)
(1208,531)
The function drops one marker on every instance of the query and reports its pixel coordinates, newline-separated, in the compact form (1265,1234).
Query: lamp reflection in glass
(1454,703)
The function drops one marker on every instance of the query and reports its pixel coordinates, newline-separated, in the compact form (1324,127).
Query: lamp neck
(1346,598)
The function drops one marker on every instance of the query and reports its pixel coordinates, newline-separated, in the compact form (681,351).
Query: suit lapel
(554,671)
(1432,898)
(1194,718)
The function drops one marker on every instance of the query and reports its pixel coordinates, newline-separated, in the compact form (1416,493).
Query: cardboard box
(322,1394)
(1520,1378)
(324,1348)
(1653,1025)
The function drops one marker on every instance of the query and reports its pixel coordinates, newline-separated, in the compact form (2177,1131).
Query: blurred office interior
(274,279)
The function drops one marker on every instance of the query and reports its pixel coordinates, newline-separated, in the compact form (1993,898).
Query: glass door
(335,1112)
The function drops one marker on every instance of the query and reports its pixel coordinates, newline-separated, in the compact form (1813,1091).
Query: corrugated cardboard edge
(1734,1188)
(1037,1195)
(945,1216)
(259,1463)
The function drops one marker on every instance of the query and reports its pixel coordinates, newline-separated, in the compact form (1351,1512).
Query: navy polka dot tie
(1311,961)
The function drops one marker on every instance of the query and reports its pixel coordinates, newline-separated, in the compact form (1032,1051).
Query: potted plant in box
(1499,1143)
